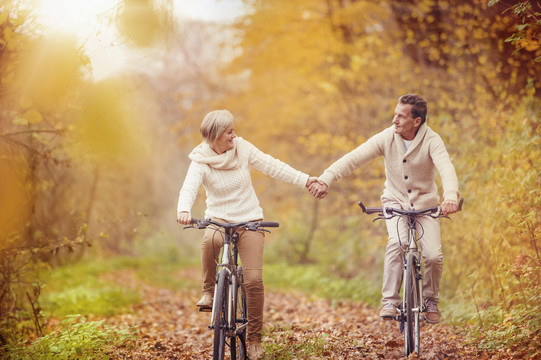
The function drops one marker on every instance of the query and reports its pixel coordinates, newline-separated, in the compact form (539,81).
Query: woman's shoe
(255,351)
(205,302)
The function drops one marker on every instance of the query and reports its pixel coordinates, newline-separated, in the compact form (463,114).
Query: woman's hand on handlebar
(184,218)
(449,207)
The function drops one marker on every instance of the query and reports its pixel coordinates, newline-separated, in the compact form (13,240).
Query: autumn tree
(74,155)
(35,98)
(313,79)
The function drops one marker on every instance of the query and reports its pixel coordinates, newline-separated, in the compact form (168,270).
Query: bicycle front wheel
(418,305)
(220,315)
(411,307)
(238,342)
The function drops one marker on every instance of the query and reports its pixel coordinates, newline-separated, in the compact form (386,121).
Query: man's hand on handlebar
(184,218)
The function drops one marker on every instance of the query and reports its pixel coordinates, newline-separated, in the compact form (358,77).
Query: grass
(85,288)
(287,345)
(316,280)
(76,338)
(81,289)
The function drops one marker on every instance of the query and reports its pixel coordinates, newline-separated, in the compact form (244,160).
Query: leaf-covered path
(297,326)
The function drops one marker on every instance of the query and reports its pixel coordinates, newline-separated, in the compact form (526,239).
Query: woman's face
(225,141)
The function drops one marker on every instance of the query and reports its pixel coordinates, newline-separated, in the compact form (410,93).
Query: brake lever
(255,228)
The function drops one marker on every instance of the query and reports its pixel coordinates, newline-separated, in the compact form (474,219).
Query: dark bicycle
(411,310)
(229,313)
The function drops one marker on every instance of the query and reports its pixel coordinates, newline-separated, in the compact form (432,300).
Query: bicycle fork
(224,266)
(413,247)
(231,293)
(418,279)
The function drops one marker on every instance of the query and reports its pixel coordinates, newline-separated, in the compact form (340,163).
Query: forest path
(297,326)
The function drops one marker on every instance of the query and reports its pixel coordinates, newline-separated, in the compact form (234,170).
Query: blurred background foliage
(99,162)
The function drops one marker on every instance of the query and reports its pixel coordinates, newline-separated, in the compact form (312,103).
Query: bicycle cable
(398,229)
(216,259)
(216,230)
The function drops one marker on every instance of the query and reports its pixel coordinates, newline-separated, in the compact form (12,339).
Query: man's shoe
(205,302)
(388,312)
(255,351)
(432,314)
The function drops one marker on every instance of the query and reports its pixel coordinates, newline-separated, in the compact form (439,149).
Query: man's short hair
(418,105)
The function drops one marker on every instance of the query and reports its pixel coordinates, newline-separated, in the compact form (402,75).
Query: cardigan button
(406,177)
(404,160)
(409,190)
(411,204)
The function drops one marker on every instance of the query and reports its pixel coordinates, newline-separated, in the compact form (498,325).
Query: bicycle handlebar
(433,211)
(249,225)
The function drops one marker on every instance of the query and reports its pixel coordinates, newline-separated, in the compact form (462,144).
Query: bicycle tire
(220,316)
(238,343)
(418,305)
(409,289)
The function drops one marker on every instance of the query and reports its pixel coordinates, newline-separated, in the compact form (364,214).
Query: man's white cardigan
(410,175)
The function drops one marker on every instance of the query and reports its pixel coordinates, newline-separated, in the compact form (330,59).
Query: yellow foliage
(317,78)
(108,128)
(33,117)
(46,72)
(143,22)
(15,210)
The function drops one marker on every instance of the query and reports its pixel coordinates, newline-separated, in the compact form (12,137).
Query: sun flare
(79,17)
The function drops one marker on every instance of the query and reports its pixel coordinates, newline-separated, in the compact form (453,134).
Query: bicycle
(229,312)
(411,310)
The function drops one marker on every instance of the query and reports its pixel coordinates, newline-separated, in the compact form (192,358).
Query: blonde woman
(222,165)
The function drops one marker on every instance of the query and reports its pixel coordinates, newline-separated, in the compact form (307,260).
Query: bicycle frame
(231,268)
(413,248)
(411,313)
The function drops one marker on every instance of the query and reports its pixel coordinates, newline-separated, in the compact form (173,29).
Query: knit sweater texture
(410,175)
(226,178)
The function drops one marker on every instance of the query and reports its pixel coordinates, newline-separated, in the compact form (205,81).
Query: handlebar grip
(268,224)
(460,202)
(370,210)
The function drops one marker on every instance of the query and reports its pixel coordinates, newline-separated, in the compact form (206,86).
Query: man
(413,153)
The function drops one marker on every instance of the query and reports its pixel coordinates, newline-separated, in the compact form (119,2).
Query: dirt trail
(171,328)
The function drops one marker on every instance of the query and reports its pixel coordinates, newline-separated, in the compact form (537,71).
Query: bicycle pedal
(387,318)
(205,309)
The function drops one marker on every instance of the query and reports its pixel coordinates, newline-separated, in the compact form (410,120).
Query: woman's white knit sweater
(227,182)
(410,175)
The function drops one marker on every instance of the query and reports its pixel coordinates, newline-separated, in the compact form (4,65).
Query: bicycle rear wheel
(220,315)
(411,309)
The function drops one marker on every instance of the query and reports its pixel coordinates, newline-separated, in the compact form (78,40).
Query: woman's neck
(216,149)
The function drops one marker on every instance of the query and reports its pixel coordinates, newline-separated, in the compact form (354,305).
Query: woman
(222,165)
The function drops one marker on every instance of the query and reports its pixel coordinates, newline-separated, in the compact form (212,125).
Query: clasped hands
(317,187)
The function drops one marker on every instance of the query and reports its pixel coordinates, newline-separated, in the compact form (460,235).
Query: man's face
(404,123)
